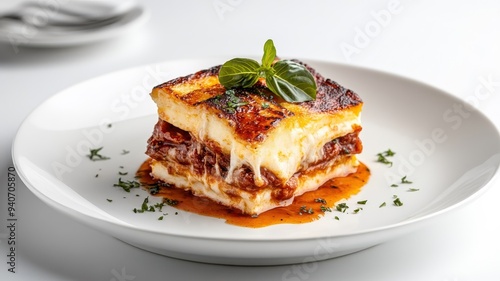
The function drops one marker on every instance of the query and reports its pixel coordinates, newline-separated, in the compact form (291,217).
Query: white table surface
(452,46)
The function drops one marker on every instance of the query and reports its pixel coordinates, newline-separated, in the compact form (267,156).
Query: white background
(452,45)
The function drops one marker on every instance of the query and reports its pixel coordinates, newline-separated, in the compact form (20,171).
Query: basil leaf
(269,54)
(292,81)
(239,72)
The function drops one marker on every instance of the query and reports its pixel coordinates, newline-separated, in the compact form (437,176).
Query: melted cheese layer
(297,140)
(252,203)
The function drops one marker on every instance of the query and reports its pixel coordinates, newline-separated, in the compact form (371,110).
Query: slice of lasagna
(247,148)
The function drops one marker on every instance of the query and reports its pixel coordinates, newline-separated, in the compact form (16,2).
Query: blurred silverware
(81,15)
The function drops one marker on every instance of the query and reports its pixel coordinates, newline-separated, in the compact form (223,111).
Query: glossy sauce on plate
(305,208)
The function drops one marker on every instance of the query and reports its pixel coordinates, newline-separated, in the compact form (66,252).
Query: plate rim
(401,224)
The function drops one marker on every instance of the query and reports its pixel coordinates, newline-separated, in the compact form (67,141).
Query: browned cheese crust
(263,110)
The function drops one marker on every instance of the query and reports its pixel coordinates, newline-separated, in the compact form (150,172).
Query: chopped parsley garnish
(145,207)
(397,202)
(95,156)
(342,207)
(337,218)
(357,210)
(325,209)
(127,185)
(362,202)
(382,205)
(159,206)
(382,157)
(152,208)
(305,210)
(170,202)
(413,189)
(109,200)
(153,189)
(389,153)
(320,200)
(404,180)
(124,151)
(233,102)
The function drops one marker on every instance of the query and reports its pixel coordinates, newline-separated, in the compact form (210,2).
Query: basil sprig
(287,79)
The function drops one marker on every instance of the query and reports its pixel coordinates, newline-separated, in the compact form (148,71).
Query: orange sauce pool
(305,208)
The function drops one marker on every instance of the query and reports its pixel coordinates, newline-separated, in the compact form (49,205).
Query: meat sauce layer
(169,143)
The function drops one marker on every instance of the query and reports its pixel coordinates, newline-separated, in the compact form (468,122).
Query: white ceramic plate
(448,150)
(20,34)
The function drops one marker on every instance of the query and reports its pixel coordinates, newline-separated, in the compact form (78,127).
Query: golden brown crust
(331,97)
(253,112)
(253,120)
